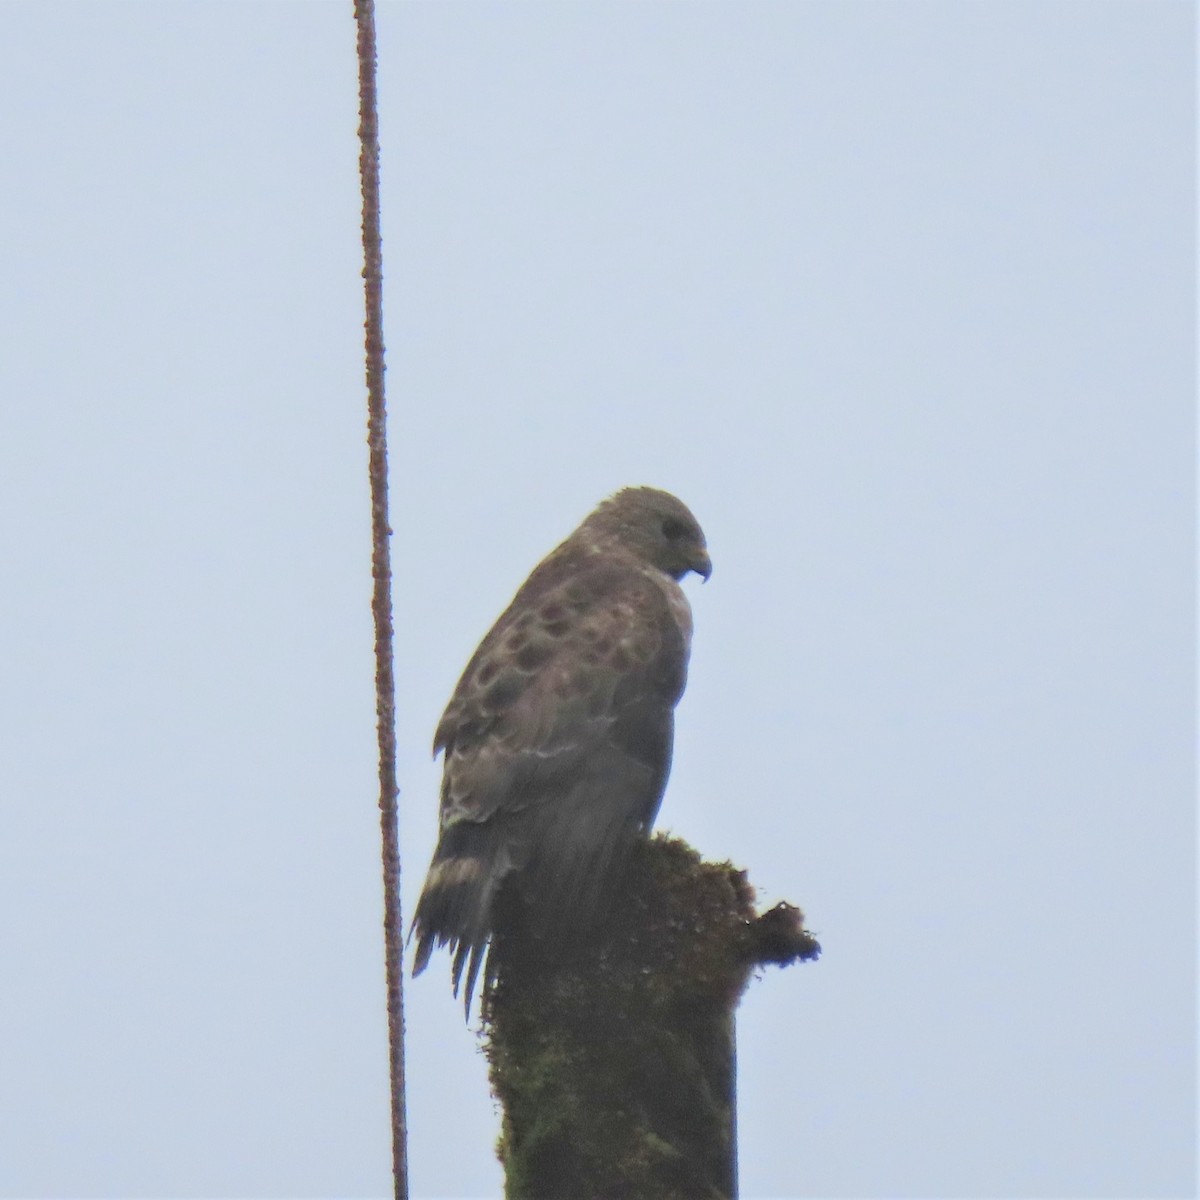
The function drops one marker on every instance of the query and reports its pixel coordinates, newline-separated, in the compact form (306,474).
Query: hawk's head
(657,527)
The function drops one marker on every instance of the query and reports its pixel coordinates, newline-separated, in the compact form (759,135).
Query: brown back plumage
(558,737)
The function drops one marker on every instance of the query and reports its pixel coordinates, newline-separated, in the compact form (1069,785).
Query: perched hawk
(558,737)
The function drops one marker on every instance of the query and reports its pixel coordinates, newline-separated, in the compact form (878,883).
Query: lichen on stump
(614,1067)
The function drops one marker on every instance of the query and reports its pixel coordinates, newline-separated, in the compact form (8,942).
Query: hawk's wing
(557,744)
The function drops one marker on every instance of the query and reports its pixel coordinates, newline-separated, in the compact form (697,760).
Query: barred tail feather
(565,855)
(457,903)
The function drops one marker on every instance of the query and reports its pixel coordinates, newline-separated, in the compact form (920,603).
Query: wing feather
(557,746)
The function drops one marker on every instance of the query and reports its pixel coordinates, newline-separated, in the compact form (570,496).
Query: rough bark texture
(615,1069)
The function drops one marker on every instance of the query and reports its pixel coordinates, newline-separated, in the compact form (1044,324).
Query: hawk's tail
(456,904)
(565,856)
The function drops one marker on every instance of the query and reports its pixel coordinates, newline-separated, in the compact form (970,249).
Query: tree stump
(615,1065)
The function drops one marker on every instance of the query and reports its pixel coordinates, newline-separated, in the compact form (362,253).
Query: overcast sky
(898,297)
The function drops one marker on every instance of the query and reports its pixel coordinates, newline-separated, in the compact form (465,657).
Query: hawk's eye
(673,530)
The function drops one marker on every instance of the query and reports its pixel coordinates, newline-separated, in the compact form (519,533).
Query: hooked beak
(702,565)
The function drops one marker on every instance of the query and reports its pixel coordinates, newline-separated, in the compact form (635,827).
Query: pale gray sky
(898,297)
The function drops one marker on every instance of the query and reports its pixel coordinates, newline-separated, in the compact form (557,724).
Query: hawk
(557,740)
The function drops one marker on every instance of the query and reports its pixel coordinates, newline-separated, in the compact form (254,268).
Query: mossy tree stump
(615,1067)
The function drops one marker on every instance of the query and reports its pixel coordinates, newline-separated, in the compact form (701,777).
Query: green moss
(614,1067)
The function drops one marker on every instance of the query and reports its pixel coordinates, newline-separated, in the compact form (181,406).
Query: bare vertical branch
(381,571)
